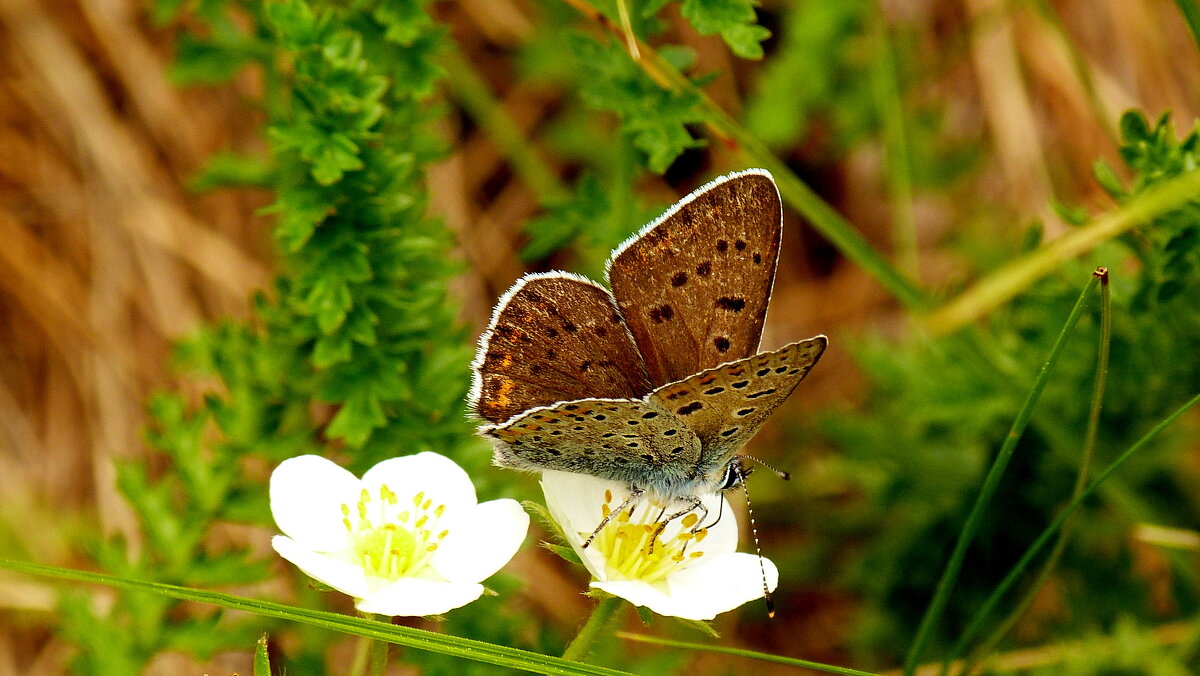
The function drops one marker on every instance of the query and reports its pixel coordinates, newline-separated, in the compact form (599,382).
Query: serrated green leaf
(734,20)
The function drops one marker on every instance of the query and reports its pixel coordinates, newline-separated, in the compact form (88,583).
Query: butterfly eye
(733,477)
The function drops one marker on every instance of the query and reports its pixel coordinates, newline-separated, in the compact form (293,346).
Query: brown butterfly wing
(554,337)
(726,405)
(694,285)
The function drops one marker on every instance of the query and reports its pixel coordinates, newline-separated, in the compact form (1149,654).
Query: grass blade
(950,573)
(465,648)
(765,657)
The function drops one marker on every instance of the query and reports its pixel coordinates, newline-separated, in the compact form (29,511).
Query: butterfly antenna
(778,472)
(758,550)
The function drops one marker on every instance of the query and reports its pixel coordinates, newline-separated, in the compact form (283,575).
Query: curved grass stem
(590,632)
(1089,446)
(954,566)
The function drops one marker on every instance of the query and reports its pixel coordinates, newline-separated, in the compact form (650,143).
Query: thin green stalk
(1191,13)
(455,646)
(950,573)
(362,656)
(765,657)
(1082,70)
(1001,589)
(1010,280)
(824,218)
(885,85)
(1089,447)
(379,657)
(581,645)
(473,93)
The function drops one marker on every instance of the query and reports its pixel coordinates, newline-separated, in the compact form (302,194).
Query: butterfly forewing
(554,338)
(694,285)
(623,440)
(728,404)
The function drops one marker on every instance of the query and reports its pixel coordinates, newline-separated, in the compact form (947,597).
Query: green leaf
(734,20)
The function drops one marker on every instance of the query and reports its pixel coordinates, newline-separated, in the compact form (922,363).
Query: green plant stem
(950,573)
(454,646)
(823,218)
(765,657)
(379,657)
(1080,65)
(885,85)
(581,645)
(1191,13)
(473,93)
(362,655)
(1089,447)
(1034,549)
(1012,279)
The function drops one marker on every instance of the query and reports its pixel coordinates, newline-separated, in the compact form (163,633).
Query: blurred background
(955,135)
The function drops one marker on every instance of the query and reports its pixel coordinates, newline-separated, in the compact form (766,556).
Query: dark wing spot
(599,416)
(551,331)
(740,384)
(607,435)
(670,433)
(633,444)
(679,279)
(729,432)
(571,407)
(570,328)
(601,331)
(584,366)
(647,457)
(556,433)
(745,412)
(632,422)
(578,428)
(722,245)
(762,372)
(662,313)
(758,259)
(763,393)
(535,369)
(551,354)
(731,303)
(781,369)
(649,415)
(740,245)
(793,372)
(690,408)
(615,318)
(714,390)
(677,450)
(704,269)
(554,451)
(722,343)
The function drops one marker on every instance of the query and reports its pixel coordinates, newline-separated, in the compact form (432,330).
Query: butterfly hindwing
(554,337)
(694,285)
(727,405)
(626,440)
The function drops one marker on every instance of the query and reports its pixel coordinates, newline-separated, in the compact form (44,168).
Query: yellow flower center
(393,539)
(634,546)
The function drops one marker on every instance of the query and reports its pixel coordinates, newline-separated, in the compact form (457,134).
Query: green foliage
(938,411)
(734,20)
(355,348)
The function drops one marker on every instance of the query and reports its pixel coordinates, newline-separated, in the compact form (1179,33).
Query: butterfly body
(656,384)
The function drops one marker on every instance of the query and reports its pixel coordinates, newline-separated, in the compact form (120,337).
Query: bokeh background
(111,250)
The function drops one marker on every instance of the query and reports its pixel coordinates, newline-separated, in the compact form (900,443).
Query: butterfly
(657,384)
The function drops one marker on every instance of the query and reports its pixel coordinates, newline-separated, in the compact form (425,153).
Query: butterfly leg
(634,494)
(693,503)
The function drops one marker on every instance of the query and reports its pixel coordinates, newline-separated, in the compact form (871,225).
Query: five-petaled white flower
(409,538)
(687,572)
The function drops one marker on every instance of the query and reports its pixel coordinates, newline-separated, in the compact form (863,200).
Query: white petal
(411,597)
(307,494)
(343,576)
(482,539)
(722,537)
(575,502)
(700,592)
(437,476)
(721,584)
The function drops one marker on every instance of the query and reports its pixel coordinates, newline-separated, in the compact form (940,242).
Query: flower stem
(370,653)
(602,616)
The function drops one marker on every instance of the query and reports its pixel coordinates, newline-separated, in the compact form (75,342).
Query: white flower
(409,538)
(688,573)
